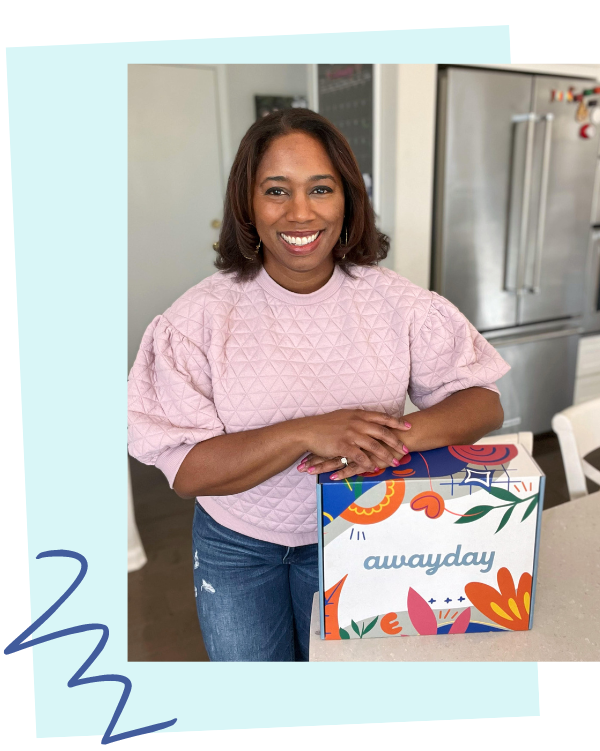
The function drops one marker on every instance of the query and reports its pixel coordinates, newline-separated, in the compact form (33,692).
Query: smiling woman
(295,177)
(298,216)
(299,346)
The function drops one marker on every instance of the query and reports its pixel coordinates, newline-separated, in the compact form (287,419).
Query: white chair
(578,431)
(136,556)
(525,439)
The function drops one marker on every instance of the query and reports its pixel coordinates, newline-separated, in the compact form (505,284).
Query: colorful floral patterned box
(445,543)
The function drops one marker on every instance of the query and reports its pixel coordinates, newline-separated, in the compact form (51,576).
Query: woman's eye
(319,190)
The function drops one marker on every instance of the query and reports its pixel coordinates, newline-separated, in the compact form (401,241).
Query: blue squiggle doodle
(77,680)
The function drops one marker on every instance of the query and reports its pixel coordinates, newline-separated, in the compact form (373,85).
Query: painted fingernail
(404,449)
(311,470)
(407,425)
(395,463)
(376,469)
(333,477)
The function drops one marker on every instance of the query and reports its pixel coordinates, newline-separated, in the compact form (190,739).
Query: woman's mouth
(300,243)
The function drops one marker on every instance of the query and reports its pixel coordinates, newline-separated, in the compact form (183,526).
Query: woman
(299,346)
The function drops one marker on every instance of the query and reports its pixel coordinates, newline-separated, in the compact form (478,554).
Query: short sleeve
(448,354)
(170,399)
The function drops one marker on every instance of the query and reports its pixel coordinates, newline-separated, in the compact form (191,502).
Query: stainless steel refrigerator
(513,198)
(591,318)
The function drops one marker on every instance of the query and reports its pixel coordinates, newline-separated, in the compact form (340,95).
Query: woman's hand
(461,418)
(315,465)
(367,439)
(235,462)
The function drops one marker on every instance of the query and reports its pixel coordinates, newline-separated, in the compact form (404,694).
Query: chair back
(578,431)
(136,555)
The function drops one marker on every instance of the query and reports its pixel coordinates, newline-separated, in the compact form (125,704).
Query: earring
(254,256)
(343,244)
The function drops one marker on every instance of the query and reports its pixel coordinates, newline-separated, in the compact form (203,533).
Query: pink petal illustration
(421,615)
(461,623)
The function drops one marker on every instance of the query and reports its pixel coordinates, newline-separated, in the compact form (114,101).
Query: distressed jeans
(254,598)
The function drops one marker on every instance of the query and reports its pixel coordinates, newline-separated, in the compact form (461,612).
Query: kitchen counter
(566,623)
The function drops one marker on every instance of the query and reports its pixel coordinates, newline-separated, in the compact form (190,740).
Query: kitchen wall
(186,122)
(174,184)
(242,82)
(385,168)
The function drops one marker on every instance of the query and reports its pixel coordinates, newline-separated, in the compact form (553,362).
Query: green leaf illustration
(475,513)
(344,634)
(355,628)
(530,508)
(503,495)
(506,517)
(506,495)
(370,626)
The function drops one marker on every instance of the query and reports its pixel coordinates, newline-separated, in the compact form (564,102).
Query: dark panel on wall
(346,98)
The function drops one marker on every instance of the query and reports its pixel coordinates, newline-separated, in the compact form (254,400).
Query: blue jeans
(254,598)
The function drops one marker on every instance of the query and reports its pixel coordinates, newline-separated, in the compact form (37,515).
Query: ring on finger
(344,461)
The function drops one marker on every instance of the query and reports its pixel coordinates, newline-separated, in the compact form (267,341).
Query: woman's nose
(300,209)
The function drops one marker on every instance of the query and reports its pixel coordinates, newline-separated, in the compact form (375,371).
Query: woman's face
(298,205)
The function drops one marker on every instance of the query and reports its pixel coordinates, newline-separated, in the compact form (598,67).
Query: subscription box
(445,543)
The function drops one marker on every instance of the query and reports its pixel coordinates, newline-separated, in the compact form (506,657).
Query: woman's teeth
(305,240)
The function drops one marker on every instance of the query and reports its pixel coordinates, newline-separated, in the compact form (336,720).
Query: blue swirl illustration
(77,679)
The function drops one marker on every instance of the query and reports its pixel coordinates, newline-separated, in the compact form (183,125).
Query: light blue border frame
(67,109)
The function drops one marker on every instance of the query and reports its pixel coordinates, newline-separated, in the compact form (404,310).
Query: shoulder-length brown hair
(236,249)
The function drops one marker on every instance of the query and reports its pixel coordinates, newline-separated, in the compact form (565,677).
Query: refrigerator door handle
(519,286)
(541,220)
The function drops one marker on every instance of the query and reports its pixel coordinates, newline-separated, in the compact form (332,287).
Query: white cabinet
(587,379)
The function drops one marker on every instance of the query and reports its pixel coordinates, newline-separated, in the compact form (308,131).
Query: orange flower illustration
(394,495)
(508,607)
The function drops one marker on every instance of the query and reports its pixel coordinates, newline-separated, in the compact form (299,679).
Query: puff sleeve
(170,399)
(448,354)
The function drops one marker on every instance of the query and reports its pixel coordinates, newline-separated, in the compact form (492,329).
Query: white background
(541,32)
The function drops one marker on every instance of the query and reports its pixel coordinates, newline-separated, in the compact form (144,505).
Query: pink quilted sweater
(230,356)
